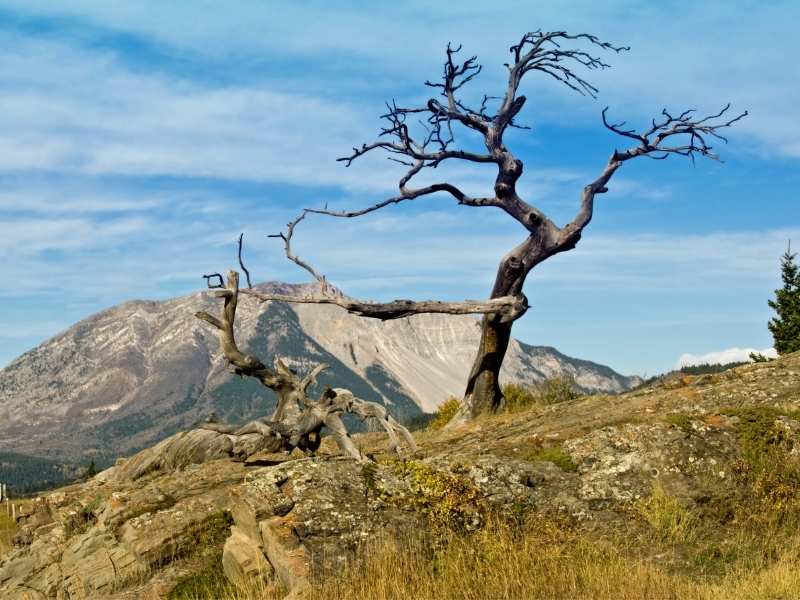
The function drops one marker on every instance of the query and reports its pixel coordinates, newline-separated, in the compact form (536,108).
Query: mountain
(133,374)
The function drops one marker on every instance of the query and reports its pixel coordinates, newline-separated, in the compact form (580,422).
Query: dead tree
(549,53)
(297,420)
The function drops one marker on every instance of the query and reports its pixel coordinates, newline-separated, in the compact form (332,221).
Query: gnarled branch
(297,419)
(655,142)
(694,134)
(507,308)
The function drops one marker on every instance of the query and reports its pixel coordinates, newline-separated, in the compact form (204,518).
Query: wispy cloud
(662,69)
(72,111)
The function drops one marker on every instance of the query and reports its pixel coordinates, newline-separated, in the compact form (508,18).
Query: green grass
(680,420)
(553,454)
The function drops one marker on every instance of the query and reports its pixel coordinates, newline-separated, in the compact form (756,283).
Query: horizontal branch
(508,307)
(410,194)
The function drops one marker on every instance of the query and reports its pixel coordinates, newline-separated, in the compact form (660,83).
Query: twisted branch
(297,419)
(655,143)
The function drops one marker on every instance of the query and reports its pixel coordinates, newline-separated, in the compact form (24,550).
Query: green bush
(550,391)
(446,411)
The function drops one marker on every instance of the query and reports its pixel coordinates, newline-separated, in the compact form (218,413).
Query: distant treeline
(706,368)
(692,370)
(27,474)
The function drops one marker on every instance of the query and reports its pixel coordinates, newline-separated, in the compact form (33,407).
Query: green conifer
(785,326)
(90,471)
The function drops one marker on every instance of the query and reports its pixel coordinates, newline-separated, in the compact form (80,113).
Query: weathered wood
(367,410)
(508,307)
(298,419)
(548,53)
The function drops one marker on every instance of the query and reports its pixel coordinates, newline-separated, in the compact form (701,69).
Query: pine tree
(785,326)
(90,471)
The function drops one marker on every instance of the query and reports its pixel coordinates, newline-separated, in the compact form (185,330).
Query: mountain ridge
(130,375)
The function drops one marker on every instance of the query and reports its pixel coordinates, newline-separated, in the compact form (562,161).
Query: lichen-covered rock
(99,537)
(621,463)
(309,515)
(243,559)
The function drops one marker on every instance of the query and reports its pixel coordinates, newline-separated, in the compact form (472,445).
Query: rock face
(590,460)
(134,374)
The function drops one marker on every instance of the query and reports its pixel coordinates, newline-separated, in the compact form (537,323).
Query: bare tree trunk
(483,392)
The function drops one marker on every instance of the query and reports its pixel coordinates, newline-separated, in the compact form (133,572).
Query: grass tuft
(551,391)
(668,518)
(680,420)
(7,529)
(553,454)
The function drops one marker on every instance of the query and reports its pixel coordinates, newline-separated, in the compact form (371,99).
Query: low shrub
(550,391)
(447,410)
(553,454)
(450,502)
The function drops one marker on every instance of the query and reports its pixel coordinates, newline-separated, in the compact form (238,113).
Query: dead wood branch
(298,420)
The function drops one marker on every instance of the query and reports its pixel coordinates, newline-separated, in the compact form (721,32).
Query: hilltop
(689,487)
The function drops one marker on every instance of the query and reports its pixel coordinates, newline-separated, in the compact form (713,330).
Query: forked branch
(684,134)
(507,308)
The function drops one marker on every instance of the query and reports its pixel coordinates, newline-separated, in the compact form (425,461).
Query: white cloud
(703,59)
(74,111)
(722,357)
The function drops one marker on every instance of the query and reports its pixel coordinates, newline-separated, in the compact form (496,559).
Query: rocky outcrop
(292,518)
(243,560)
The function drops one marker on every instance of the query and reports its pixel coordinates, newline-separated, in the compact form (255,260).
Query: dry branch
(298,419)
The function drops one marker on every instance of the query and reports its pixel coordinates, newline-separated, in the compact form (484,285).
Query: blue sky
(138,139)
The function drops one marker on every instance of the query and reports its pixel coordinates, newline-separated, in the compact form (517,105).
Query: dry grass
(550,391)
(668,518)
(542,560)
(446,411)
(7,529)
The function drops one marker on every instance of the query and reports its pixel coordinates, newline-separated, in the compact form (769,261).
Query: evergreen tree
(785,326)
(90,471)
